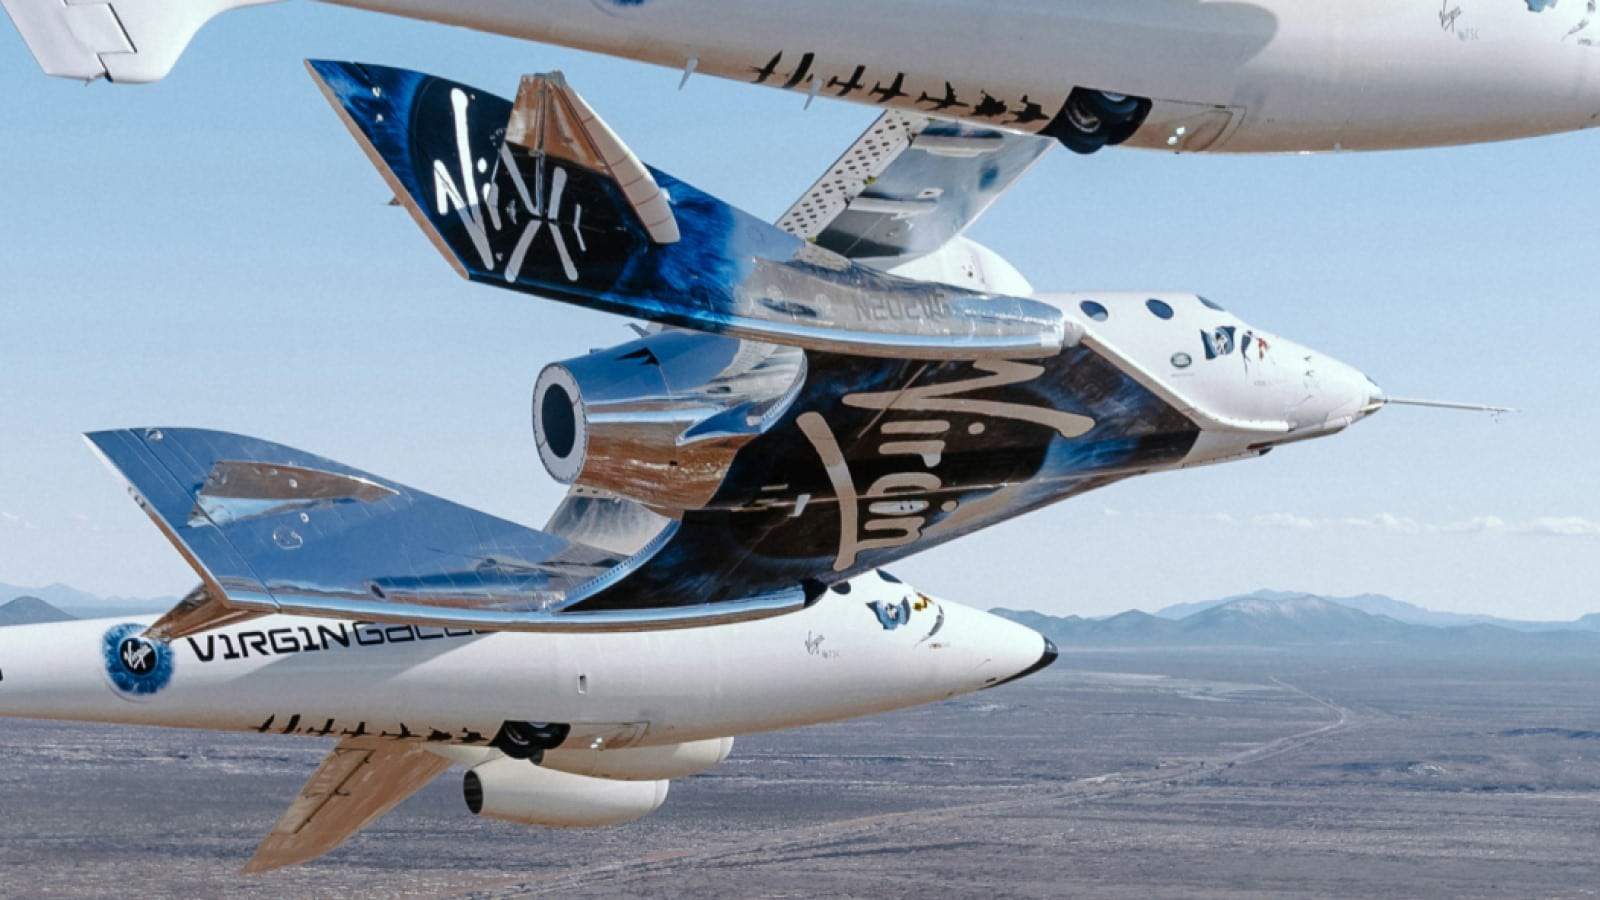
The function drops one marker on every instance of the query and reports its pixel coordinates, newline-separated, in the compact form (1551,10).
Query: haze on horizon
(212,251)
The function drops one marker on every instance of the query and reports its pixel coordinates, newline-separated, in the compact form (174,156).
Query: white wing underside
(901,197)
(130,41)
(360,781)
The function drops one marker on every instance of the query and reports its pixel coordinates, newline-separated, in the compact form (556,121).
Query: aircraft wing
(540,196)
(129,41)
(908,186)
(360,781)
(272,529)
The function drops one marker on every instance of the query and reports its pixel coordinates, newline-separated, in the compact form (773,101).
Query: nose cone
(1003,650)
(1336,395)
(1045,659)
(928,649)
(1374,400)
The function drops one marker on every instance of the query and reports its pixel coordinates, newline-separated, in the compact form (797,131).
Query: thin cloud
(1285,520)
(1389,523)
(1561,526)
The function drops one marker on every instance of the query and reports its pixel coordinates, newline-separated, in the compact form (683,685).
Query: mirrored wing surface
(307,535)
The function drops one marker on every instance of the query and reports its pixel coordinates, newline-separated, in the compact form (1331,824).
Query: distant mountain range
(1264,619)
(1278,619)
(1399,610)
(84,605)
(30,611)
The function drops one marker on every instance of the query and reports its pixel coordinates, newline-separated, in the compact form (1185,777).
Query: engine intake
(660,419)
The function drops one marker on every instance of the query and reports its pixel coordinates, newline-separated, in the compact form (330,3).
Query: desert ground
(1118,774)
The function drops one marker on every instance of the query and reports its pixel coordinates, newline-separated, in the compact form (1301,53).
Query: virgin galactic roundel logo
(618,7)
(137,667)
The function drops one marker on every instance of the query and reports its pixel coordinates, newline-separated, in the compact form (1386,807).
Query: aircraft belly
(1361,75)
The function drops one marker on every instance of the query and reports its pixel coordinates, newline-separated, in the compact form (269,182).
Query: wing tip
(336,80)
(257,866)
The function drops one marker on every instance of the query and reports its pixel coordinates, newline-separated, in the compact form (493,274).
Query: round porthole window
(1210,304)
(1094,310)
(1158,308)
(1182,360)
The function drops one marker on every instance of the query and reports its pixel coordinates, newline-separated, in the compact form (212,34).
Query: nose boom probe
(1444,404)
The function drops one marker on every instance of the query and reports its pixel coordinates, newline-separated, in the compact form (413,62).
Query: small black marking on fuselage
(765,72)
(990,107)
(893,91)
(948,101)
(849,87)
(800,72)
(1030,112)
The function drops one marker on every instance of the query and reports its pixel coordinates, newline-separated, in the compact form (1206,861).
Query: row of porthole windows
(1158,308)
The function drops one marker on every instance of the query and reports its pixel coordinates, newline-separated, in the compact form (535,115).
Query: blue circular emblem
(136,666)
(618,7)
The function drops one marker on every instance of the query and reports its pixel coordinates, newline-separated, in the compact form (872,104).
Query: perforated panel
(847,178)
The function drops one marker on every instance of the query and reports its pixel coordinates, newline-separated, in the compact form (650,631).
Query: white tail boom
(129,41)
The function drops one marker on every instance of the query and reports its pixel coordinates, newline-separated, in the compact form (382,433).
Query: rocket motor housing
(659,420)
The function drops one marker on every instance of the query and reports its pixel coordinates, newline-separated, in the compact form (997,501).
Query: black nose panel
(1045,659)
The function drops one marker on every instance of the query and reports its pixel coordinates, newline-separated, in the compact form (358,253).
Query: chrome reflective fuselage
(839,464)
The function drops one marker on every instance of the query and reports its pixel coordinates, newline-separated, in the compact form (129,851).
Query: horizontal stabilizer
(272,529)
(541,197)
(130,41)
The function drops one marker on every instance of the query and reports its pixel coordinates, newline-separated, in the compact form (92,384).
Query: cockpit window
(1210,304)
(1158,309)
(1094,310)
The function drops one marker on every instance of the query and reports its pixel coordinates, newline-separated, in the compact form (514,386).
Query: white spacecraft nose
(995,649)
(1339,396)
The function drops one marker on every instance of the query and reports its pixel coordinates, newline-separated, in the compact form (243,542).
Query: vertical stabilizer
(550,119)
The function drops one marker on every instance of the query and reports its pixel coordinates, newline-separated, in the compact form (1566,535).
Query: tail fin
(129,41)
(540,196)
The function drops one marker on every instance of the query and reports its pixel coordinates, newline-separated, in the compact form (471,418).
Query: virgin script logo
(893,510)
(477,205)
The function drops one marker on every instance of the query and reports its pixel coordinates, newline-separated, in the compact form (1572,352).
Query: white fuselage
(330,678)
(1247,388)
(1267,76)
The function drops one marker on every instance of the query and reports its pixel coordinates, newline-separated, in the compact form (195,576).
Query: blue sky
(213,250)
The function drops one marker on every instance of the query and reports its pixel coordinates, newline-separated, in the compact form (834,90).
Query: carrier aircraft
(1237,76)
(807,403)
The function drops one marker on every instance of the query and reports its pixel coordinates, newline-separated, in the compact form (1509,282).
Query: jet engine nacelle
(660,419)
(515,790)
(642,763)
